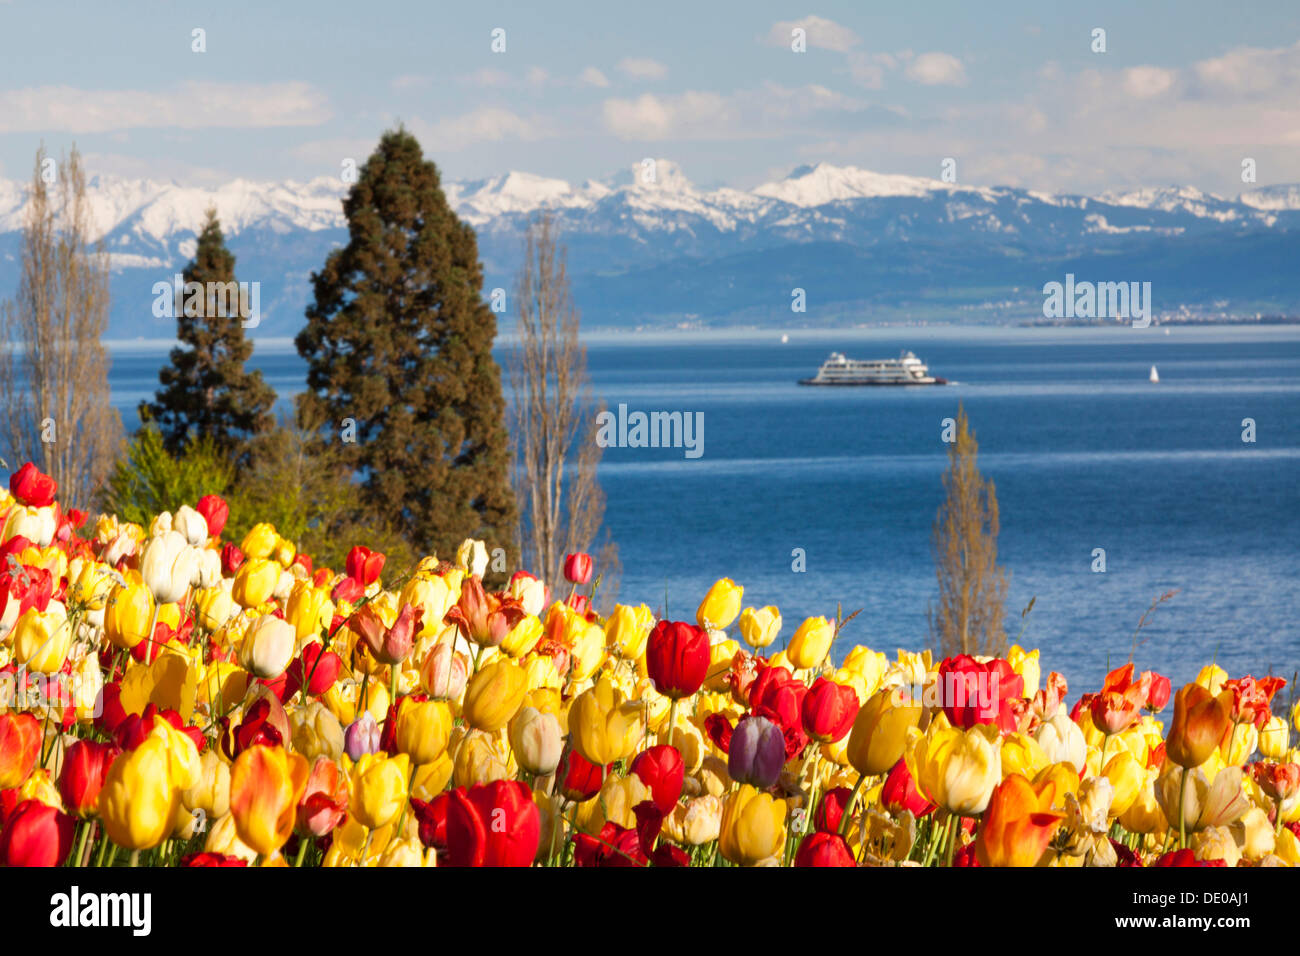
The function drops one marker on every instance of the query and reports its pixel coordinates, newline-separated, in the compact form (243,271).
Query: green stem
(848,808)
(302,851)
(1182,819)
(672,721)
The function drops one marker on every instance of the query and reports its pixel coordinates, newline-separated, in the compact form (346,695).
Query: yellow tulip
(1127,777)
(752,828)
(956,769)
(423,729)
(144,786)
(315,731)
(309,609)
(255,582)
(41,640)
(128,612)
(597,723)
(760,626)
(628,629)
(480,758)
(523,637)
(379,789)
(587,653)
(879,733)
(89,584)
(435,594)
(494,695)
(810,643)
(259,542)
(1274,738)
(536,740)
(1021,754)
(213,607)
(1025,663)
(720,606)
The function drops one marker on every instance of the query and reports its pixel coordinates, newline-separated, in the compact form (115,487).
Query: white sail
(1155,376)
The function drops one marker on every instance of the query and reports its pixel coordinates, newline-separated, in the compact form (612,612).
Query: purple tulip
(757,752)
(362,736)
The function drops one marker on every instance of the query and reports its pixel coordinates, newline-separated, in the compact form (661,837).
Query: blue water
(1084,452)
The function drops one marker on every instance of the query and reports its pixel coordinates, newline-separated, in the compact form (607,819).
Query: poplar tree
(207,390)
(398,343)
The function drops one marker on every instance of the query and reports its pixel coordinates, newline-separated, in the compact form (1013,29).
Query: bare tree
(54,371)
(972,586)
(561,504)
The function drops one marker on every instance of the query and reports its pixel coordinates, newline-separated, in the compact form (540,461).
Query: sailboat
(1155,376)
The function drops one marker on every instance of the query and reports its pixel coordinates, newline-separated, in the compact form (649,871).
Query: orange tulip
(1019,823)
(266,785)
(1201,723)
(20,745)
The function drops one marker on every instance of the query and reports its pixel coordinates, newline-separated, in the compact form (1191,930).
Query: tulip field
(169,698)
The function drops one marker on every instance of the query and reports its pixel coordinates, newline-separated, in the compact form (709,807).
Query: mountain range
(647,248)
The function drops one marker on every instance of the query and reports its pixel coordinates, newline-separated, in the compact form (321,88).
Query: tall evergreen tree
(399,349)
(207,391)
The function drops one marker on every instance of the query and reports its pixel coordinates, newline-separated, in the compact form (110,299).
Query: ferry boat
(907,369)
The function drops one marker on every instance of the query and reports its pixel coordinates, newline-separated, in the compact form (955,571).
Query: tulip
(1063,742)
(899,793)
(32,487)
(434,594)
(314,670)
(309,609)
(255,582)
(379,789)
(1018,824)
(523,637)
(493,825)
(423,729)
(760,626)
(482,617)
(472,557)
(1201,723)
(259,542)
(36,835)
(90,586)
(361,737)
(677,658)
(1279,781)
(628,629)
(529,591)
(956,769)
(20,746)
(85,767)
(757,752)
(266,785)
(752,828)
(267,647)
(578,778)
(829,710)
(211,792)
(577,568)
(364,565)
(879,733)
(598,726)
(167,566)
(41,641)
(143,788)
(1127,778)
(215,511)
(824,849)
(442,674)
(191,525)
(536,740)
(1202,803)
(720,606)
(661,769)
(213,607)
(1274,738)
(494,695)
(810,643)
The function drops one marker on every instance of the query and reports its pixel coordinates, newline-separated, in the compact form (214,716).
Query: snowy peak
(809,186)
(1273,197)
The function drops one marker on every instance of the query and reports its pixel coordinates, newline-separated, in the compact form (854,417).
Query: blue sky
(1012,91)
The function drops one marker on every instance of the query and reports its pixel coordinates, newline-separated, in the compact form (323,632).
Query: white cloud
(745,114)
(191,105)
(820,32)
(488,125)
(651,117)
(593,77)
(643,68)
(936,69)
(1145,82)
(868,69)
(1250,70)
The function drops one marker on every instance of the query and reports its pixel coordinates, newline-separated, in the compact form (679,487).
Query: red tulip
(975,693)
(1251,698)
(212,859)
(577,568)
(829,710)
(36,835)
(492,825)
(484,617)
(85,765)
(830,809)
(662,770)
(364,565)
(388,645)
(348,589)
(824,849)
(900,793)
(1185,858)
(677,658)
(31,487)
(315,666)
(579,778)
(613,846)
(231,558)
(1158,693)
(20,745)
(215,511)
(1120,702)
(1281,781)
(432,818)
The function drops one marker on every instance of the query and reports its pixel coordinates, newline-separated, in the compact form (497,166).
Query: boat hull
(813,381)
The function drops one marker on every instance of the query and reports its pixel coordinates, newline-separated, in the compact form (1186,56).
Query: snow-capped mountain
(647,245)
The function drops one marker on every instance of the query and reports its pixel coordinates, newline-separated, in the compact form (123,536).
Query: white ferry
(907,369)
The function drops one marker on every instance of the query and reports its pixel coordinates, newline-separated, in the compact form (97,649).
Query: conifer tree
(207,392)
(399,348)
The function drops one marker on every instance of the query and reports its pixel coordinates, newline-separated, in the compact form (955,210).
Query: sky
(1014,92)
